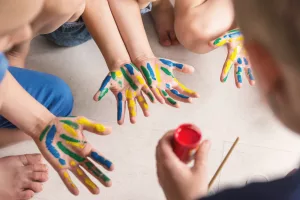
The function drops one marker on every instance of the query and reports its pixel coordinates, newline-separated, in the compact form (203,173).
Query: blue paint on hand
(129,68)
(168,85)
(101,159)
(104,83)
(239,60)
(239,76)
(120,105)
(49,140)
(151,71)
(178,94)
(246,61)
(251,77)
(62,161)
(171,64)
(235,34)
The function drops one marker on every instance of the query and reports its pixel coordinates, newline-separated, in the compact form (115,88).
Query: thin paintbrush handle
(222,163)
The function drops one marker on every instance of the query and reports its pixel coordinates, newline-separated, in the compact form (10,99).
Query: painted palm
(236,57)
(64,146)
(128,86)
(160,77)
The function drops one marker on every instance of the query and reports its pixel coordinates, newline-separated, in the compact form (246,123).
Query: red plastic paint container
(187,139)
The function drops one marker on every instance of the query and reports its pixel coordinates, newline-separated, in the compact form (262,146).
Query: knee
(67,7)
(193,35)
(60,99)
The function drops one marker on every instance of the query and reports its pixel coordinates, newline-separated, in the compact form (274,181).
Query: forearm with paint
(101,24)
(21,109)
(129,21)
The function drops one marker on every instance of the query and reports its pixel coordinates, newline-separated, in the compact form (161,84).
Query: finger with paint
(236,57)
(65,147)
(128,86)
(160,78)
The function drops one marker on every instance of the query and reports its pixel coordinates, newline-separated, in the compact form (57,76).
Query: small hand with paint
(160,78)
(236,57)
(64,146)
(128,85)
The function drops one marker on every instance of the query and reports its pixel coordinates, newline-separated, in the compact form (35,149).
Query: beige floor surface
(223,113)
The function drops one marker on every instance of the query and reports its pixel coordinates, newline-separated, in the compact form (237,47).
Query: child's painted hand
(128,85)
(160,78)
(64,146)
(236,57)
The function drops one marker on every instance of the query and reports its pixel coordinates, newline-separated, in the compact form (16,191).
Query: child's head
(272,38)
(15,18)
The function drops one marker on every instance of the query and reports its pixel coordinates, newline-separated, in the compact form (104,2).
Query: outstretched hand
(236,57)
(159,76)
(64,146)
(128,85)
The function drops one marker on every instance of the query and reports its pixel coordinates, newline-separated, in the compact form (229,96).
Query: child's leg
(163,16)
(198,22)
(49,90)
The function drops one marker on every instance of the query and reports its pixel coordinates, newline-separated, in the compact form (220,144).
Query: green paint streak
(113,75)
(96,171)
(120,84)
(171,101)
(129,80)
(44,133)
(225,79)
(70,139)
(70,123)
(150,96)
(164,93)
(70,153)
(135,67)
(167,71)
(217,41)
(147,75)
(72,116)
(232,31)
(103,93)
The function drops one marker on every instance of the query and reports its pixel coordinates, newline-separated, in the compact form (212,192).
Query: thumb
(201,157)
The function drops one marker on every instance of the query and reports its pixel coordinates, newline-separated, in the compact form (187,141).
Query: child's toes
(30,159)
(164,39)
(26,195)
(34,186)
(37,168)
(39,176)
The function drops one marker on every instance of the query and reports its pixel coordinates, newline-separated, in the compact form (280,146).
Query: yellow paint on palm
(70,130)
(79,172)
(89,183)
(157,74)
(68,178)
(185,89)
(157,90)
(119,74)
(73,163)
(131,104)
(142,101)
(75,144)
(99,127)
(141,80)
(130,94)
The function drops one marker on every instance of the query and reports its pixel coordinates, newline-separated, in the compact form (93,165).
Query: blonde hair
(273,23)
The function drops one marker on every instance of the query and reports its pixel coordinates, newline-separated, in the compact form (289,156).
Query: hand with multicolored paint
(128,85)
(64,146)
(160,78)
(237,57)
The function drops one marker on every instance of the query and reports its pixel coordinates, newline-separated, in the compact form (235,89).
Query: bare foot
(22,176)
(163,16)
(17,55)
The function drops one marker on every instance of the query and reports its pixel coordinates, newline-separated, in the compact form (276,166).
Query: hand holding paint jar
(186,142)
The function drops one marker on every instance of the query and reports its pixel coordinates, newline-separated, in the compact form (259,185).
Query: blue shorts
(49,90)
(75,33)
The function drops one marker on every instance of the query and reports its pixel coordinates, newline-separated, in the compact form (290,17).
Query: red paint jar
(187,139)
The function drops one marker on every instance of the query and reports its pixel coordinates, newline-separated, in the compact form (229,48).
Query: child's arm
(157,72)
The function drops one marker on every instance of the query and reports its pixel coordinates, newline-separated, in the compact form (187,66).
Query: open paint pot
(187,139)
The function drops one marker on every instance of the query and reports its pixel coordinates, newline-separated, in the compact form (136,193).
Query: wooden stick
(223,163)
